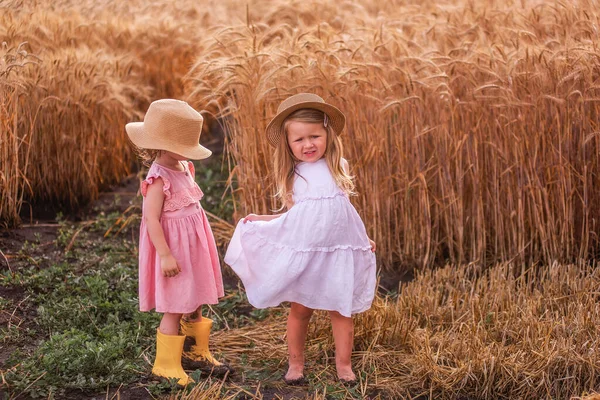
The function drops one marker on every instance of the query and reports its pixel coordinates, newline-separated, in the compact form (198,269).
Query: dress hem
(305,304)
(182,312)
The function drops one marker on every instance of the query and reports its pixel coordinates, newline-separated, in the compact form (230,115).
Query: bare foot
(345,373)
(294,372)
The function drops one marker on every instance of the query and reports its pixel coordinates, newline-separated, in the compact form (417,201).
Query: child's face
(307,141)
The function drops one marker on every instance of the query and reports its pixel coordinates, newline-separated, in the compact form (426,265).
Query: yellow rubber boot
(167,363)
(196,354)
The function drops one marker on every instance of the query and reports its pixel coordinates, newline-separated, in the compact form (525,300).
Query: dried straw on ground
(458,333)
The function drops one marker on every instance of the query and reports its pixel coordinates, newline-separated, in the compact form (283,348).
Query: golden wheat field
(473,133)
(472,125)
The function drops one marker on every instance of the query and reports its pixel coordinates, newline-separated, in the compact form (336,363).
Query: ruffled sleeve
(150,178)
(191,169)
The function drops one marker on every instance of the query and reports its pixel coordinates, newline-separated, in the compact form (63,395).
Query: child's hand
(252,217)
(169,266)
(373,245)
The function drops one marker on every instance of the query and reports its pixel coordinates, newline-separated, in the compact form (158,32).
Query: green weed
(212,179)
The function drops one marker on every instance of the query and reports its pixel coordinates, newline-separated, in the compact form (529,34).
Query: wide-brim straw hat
(170,125)
(336,118)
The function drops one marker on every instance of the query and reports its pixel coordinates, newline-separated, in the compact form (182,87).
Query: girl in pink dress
(179,268)
(317,254)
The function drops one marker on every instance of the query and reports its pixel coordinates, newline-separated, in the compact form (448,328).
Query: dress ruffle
(183,198)
(176,199)
(253,231)
(308,198)
(191,242)
(150,180)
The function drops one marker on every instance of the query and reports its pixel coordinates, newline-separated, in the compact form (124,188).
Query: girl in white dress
(317,254)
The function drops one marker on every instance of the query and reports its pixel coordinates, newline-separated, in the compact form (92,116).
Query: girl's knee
(301,312)
(172,315)
(194,315)
(334,315)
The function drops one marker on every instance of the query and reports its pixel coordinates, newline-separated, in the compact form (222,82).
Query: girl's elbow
(150,219)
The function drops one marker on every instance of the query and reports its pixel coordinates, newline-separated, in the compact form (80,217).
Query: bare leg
(343,335)
(169,324)
(195,316)
(297,327)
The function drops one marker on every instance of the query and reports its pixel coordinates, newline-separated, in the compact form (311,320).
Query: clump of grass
(88,329)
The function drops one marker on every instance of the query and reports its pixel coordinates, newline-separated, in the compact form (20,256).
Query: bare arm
(152,209)
(255,217)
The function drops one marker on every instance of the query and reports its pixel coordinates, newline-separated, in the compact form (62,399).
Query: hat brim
(138,136)
(337,120)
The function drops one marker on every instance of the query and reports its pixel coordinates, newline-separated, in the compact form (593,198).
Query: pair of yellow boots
(189,349)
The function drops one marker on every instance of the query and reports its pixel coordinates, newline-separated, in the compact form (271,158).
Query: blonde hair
(147,156)
(285,162)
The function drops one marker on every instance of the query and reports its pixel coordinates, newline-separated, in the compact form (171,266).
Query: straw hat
(170,125)
(336,119)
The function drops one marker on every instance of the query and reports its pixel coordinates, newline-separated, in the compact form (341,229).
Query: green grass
(87,332)
(211,176)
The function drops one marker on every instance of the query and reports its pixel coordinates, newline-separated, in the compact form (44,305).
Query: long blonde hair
(285,162)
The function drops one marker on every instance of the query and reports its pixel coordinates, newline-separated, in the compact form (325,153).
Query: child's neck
(296,161)
(166,160)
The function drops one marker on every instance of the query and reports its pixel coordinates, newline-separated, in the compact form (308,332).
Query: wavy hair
(147,155)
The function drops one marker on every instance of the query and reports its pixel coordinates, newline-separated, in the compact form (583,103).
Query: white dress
(316,254)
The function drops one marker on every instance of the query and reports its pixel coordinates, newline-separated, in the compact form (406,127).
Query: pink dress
(316,254)
(191,241)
